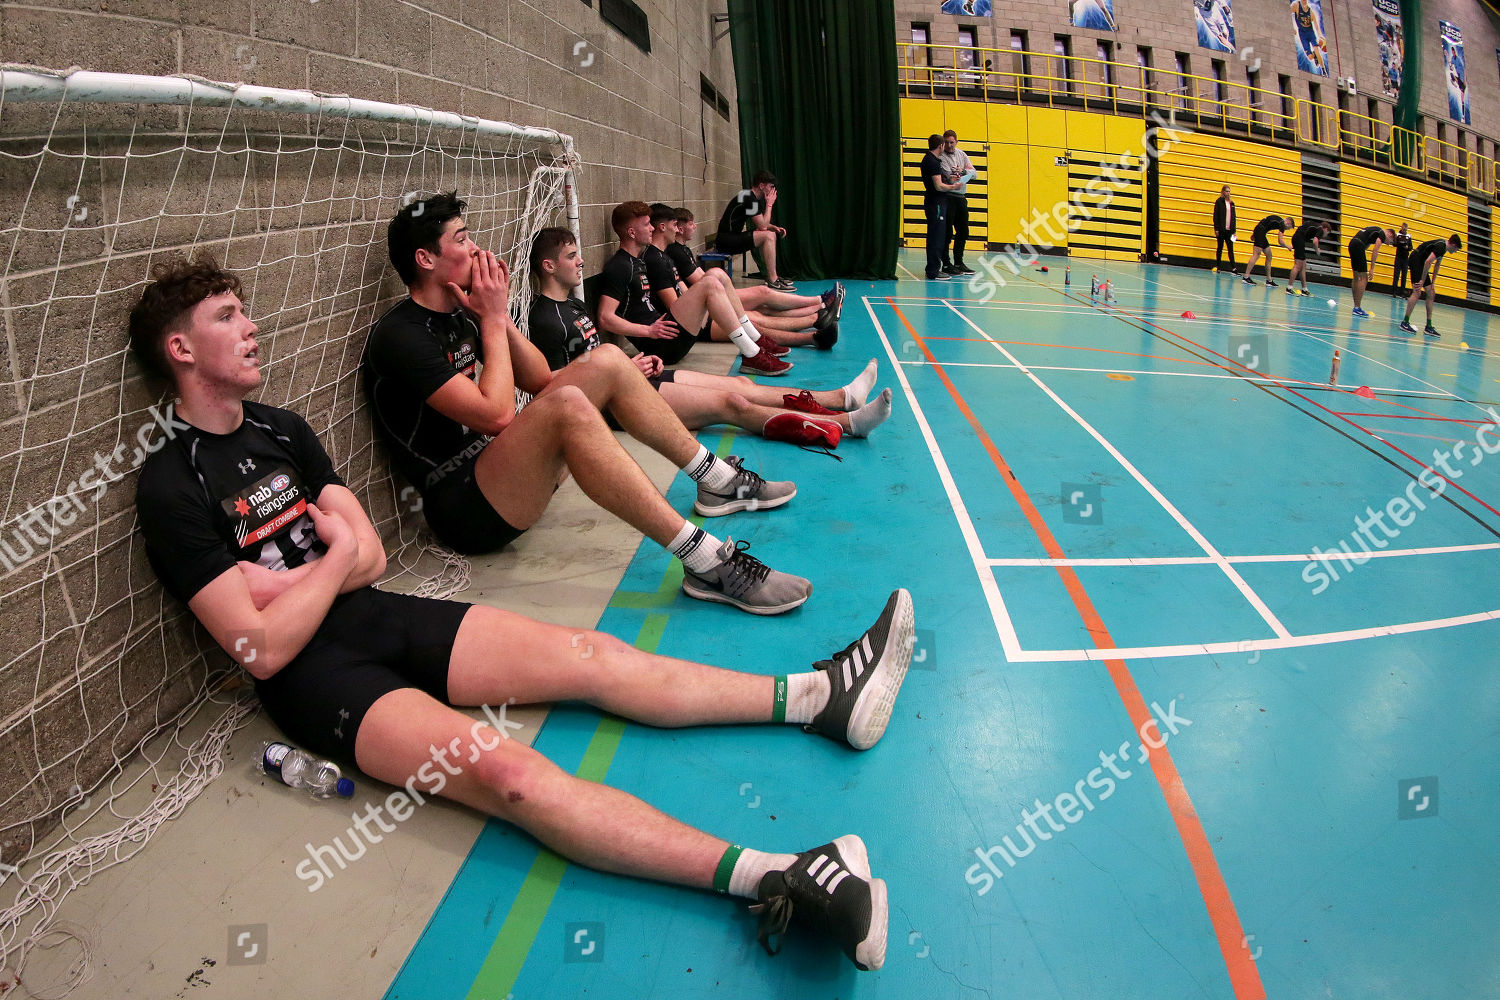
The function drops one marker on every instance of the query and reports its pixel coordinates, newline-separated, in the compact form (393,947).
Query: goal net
(103,176)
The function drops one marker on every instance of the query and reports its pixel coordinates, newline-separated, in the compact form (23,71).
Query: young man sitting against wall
(246,521)
(441,370)
(788,318)
(560,327)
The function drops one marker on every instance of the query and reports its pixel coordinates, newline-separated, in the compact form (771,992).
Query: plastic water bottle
(298,769)
(1067,276)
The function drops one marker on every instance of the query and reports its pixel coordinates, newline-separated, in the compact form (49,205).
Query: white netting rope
(95,661)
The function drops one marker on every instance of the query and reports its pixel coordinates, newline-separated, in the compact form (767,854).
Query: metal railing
(1199,102)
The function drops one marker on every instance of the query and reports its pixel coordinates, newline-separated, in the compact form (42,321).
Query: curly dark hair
(176,286)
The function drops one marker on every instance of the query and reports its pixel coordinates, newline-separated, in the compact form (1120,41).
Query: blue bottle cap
(345,788)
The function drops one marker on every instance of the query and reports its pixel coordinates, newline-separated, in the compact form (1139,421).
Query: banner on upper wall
(1096,14)
(1392,46)
(973,8)
(1215,24)
(1312,44)
(1457,71)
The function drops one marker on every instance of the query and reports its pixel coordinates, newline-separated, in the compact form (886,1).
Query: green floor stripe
(502,966)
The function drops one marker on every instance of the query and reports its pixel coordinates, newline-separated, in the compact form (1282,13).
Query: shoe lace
(747,484)
(775,917)
(743,564)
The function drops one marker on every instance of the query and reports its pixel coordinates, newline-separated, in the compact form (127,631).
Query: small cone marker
(1188,314)
(1333,374)
(1365,392)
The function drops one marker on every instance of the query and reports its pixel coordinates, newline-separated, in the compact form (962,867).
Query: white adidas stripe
(843,874)
(818,863)
(848,677)
(869,653)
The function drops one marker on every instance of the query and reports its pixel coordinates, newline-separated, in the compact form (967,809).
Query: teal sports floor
(1106,515)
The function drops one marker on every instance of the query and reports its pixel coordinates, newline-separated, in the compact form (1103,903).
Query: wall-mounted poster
(1457,71)
(1392,46)
(1215,24)
(973,8)
(1312,45)
(1096,14)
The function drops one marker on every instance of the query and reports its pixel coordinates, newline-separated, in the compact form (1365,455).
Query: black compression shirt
(624,279)
(561,330)
(412,353)
(207,501)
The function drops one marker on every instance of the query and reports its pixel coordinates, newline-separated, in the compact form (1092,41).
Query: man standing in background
(1403,251)
(935,200)
(1224,220)
(958,170)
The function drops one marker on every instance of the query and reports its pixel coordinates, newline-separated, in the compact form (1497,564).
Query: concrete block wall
(120,658)
(1167,27)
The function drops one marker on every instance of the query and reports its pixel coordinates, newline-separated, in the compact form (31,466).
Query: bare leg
(766,395)
(705,299)
(765,245)
(1360,281)
(562,427)
(589,823)
(700,406)
(761,297)
(1250,267)
(612,381)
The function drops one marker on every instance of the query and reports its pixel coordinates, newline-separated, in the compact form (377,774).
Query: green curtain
(818,108)
(1406,114)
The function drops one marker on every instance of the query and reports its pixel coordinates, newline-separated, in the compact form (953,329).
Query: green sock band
(778,704)
(726,867)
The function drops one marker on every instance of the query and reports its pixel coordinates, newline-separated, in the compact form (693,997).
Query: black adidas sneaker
(865,677)
(829,889)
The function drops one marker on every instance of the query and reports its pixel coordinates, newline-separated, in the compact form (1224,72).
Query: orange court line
(1244,977)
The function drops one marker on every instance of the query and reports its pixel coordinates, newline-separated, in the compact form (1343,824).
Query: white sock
(856,392)
(749,328)
(752,866)
(709,470)
(698,550)
(806,695)
(870,416)
(746,343)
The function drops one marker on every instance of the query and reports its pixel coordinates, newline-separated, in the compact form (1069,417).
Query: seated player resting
(246,520)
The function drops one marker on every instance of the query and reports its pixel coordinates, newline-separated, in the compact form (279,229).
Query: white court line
(1003,625)
(1280,557)
(1249,645)
(908,274)
(1323,339)
(1261,380)
(1239,582)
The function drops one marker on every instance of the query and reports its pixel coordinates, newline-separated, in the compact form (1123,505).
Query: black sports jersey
(207,501)
(561,330)
(683,257)
(412,353)
(1264,227)
(1307,233)
(1368,235)
(930,167)
(1432,248)
(661,273)
(624,279)
(737,214)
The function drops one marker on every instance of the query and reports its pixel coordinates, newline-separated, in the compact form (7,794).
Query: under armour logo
(247,467)
(339,729)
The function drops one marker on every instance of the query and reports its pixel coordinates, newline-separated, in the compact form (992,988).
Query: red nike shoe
(807,431)
(805,402)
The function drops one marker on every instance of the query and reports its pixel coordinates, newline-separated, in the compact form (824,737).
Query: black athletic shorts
(656,383)
(671,351)
(370,644)
(735,243)
(1299,250)
(1359,261)
(1415,270)
(461,517)
(1261,241)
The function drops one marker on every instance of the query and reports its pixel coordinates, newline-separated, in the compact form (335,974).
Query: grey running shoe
(865,677)
(746,491)
(747,583)
(829,889)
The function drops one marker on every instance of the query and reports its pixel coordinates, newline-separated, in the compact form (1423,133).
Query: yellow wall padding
(1376,198)
(1262,179)
(1017,152)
